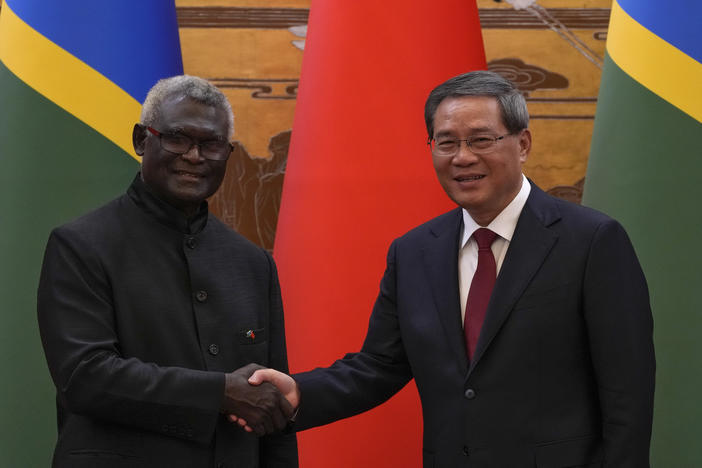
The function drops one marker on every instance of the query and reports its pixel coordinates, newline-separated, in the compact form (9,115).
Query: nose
(193,154)
(464,155)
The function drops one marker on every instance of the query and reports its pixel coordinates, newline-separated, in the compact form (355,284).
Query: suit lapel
(441,260)
(531,243)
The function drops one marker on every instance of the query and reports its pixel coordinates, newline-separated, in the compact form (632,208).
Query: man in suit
(151,309)
(524,319)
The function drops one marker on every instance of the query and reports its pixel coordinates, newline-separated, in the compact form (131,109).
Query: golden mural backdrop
(252,49)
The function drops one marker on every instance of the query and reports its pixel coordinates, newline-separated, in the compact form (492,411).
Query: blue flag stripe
(133,43)
(678,22)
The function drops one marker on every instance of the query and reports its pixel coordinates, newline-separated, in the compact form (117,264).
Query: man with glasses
(524,319)
(151,309)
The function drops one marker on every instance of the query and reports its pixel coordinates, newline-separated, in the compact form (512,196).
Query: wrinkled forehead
(472,114)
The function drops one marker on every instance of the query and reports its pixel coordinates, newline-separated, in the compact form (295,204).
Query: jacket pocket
(252,336)
(570,453)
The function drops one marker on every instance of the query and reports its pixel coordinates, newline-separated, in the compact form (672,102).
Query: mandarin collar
(165,213)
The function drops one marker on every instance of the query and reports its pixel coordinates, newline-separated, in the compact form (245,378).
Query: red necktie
(480,288)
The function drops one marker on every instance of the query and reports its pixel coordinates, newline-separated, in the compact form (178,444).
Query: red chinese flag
(359,174)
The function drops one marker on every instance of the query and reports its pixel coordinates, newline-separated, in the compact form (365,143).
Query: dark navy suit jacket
(563,373)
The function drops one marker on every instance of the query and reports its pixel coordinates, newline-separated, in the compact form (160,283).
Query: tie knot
(484,238)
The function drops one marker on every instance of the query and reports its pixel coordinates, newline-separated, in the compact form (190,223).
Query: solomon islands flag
(644,169)
(72,77)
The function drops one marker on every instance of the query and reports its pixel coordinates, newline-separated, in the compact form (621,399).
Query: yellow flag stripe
(656,64)
(67,81)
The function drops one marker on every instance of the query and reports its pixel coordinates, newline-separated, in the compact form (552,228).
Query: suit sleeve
(77,323)
(280,450)
(620,328)
(363,380)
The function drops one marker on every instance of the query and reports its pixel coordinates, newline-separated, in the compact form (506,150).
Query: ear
(524,145)
(139,138)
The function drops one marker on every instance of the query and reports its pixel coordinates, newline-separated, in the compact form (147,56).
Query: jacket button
(191,242)
(213,349)
(201,296)
(470,394)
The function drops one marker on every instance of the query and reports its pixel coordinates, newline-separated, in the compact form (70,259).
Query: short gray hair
(189,86)
(515,115)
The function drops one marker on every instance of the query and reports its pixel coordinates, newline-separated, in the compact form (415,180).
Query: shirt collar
(164,212)
(504,223)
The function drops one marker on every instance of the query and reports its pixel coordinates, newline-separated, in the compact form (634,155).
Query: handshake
(260,400)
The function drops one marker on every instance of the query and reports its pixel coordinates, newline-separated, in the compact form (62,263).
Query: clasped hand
(266,399)
(262,407)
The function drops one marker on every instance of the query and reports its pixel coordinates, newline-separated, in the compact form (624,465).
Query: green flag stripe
(643,169)
(653,62)
(54,168)
(71,83)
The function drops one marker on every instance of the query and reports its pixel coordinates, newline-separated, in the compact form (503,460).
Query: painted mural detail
(299,31)
(261,88)
(490,18)
(572,193)
(249,197)
(527,77)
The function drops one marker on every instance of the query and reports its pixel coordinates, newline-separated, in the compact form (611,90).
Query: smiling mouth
(191,175)
(468,178)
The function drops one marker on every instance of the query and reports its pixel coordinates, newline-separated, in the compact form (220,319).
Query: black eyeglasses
(177,143)
(477,144)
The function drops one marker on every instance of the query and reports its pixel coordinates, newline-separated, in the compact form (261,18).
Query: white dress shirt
(503,225)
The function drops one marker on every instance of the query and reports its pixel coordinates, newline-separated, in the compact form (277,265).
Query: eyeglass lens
(477,144)
(180,144)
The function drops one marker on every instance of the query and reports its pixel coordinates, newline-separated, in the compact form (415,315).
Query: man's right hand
(283,382)
(263,407)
